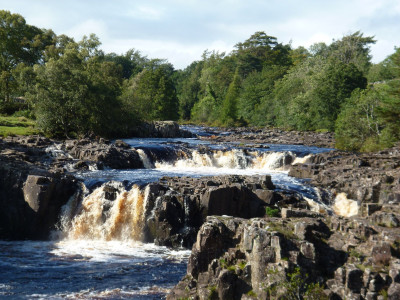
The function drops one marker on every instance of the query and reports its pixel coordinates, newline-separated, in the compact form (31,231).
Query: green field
(17,126)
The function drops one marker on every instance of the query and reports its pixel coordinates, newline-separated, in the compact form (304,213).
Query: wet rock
(115,157)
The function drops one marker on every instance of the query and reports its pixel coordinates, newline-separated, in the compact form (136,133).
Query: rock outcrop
(255,136)
(177,207)
(271,258)
(372,180)
(102,153)
(31,196)
(161,129)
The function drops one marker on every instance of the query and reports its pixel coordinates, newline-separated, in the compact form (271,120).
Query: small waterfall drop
(233,159)
(345,207)
(108,213)
(145,159)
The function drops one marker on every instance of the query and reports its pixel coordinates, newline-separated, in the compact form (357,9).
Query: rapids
(96,253)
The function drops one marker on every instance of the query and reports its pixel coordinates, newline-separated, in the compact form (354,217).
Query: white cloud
(146,13)
(86,28)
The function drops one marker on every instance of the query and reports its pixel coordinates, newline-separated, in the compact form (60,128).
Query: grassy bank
(17,126)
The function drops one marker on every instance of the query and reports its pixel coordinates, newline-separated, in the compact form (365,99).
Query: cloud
(146,13)
(180,30)
(87,27)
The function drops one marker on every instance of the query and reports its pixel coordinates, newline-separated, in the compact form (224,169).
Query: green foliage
(229,106)
(252,294)
(260,51)
(294,286)
(255,104)
(370,119)
(20,43)
(354,49)
(207,109)
(153,93)
(76,89)
(272,212)
(188,88)
(131,63)
(384,294)
(77,92)
(213,295)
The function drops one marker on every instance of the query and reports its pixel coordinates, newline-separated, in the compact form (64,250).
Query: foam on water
(88,269)
(345,207)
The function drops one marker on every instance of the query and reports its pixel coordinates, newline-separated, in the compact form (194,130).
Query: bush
(272,212)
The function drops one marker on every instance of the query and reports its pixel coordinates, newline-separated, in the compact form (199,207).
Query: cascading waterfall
(99,217)
(233,159)
(145,159)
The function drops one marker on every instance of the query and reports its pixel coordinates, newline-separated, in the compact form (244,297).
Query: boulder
(119,156)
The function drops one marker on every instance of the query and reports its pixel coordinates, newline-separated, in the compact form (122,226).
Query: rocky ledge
(296,256)
(372,180)
(256,136)
(305,254)
(177,207)
(31,194)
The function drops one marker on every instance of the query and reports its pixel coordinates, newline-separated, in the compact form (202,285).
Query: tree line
(74,88)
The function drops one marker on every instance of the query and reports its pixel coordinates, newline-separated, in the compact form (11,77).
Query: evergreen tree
(229,106)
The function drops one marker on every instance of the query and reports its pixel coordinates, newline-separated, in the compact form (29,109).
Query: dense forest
(73,88)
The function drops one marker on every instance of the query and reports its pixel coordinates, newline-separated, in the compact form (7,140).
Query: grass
(17,126)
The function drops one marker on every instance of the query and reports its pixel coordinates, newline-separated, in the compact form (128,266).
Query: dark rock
(122,144)
(394,291)
(161,129)
(106,154)
(299,213)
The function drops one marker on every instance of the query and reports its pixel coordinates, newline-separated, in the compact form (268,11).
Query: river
(91,257)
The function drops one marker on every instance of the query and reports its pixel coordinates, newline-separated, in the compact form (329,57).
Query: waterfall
(108,213)
(145,159)
(345,207)
(233,159)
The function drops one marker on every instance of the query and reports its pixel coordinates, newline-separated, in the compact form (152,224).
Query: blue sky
(180,30)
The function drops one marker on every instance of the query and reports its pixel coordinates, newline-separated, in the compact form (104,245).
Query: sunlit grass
(17,126)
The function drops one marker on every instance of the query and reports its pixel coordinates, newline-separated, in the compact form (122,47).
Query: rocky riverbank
(250,240)
(255,136)
(320,256)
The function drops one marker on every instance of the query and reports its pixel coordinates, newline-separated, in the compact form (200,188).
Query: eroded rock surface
(268,258)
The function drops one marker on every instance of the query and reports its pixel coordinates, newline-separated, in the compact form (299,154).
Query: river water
(90,258)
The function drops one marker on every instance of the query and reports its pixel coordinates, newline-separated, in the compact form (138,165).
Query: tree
(153,92)
(258,51)
(358,121)
(334,85)
(20,43)
(389,110)
(229,106)
(77,92)
(354,48)
(207,109)
(132,62)
(60,93)
(255,104)
(189,88)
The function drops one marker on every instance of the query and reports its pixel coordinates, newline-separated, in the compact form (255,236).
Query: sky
(181,30)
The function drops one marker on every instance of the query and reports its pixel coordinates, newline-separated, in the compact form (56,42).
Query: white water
(233,159)
(345,207)
(99,218)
